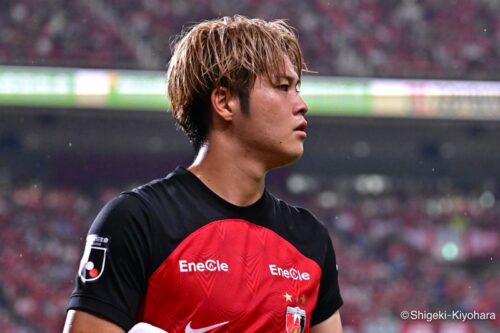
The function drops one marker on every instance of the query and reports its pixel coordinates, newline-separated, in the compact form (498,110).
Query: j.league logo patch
(94,258)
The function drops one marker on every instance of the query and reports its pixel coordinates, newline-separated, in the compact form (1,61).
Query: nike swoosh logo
(203,329)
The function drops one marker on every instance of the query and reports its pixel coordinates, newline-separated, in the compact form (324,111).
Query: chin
(296,157)
(288,158)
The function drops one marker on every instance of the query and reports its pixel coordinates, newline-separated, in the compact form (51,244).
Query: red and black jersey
(174,254)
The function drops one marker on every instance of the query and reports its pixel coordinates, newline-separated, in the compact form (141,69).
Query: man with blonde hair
(208,248)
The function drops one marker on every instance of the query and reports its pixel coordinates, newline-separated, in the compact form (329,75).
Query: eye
(297,89)
(283,87)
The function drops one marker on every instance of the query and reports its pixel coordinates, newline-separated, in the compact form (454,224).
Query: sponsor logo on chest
(289,273)
(209,265)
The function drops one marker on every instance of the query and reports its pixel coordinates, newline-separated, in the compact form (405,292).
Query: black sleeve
(114,269)
(329,299)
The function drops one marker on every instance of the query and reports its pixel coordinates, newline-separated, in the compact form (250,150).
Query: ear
(224,103)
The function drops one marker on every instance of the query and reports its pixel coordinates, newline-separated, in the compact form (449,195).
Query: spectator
(410,38)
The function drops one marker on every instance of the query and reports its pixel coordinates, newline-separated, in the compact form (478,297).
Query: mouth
(301,128)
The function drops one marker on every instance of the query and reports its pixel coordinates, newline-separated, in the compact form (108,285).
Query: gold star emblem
(303,299)
(288,297)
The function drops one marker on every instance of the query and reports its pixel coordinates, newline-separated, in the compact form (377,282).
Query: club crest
(94,258)
(295,320)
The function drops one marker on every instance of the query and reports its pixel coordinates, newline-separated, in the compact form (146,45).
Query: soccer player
(208,248)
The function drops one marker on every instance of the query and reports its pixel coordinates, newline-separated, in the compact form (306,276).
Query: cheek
(268,120)
(274,129)
(275,119)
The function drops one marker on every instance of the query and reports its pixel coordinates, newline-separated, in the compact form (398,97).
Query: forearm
(83,322)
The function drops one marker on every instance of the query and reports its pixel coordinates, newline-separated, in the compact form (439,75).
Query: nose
(301,107)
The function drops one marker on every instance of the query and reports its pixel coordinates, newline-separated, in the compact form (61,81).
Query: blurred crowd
(41,239)
(393,252)
(395,38)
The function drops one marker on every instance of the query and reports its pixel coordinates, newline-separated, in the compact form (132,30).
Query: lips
(301,127)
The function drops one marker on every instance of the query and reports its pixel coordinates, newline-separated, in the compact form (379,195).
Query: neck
(232,175)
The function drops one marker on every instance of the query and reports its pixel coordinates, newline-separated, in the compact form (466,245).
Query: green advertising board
(145,90)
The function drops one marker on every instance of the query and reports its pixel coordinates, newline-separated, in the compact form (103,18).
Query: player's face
(274,128)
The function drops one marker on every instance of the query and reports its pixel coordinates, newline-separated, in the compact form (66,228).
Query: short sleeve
(329,298)
(113,272)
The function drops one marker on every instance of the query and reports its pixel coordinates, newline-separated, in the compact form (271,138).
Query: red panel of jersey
(233,276)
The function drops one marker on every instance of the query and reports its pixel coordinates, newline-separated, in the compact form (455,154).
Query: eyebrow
(291,79)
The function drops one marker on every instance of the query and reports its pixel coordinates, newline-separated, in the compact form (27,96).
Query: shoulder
(154,189)
(299,216)
(159,193)
(136,205)
(301,228)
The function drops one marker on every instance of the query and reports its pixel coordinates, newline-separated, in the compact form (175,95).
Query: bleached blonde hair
(229,52)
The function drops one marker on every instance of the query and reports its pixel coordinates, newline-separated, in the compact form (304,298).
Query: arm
(330,325)
(326,316)
(117,247)
(83,322)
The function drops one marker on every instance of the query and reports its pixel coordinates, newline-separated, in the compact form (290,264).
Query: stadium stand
(58,33)
(446,39)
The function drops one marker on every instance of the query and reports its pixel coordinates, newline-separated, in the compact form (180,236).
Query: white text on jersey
(291,273)
(209,265)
